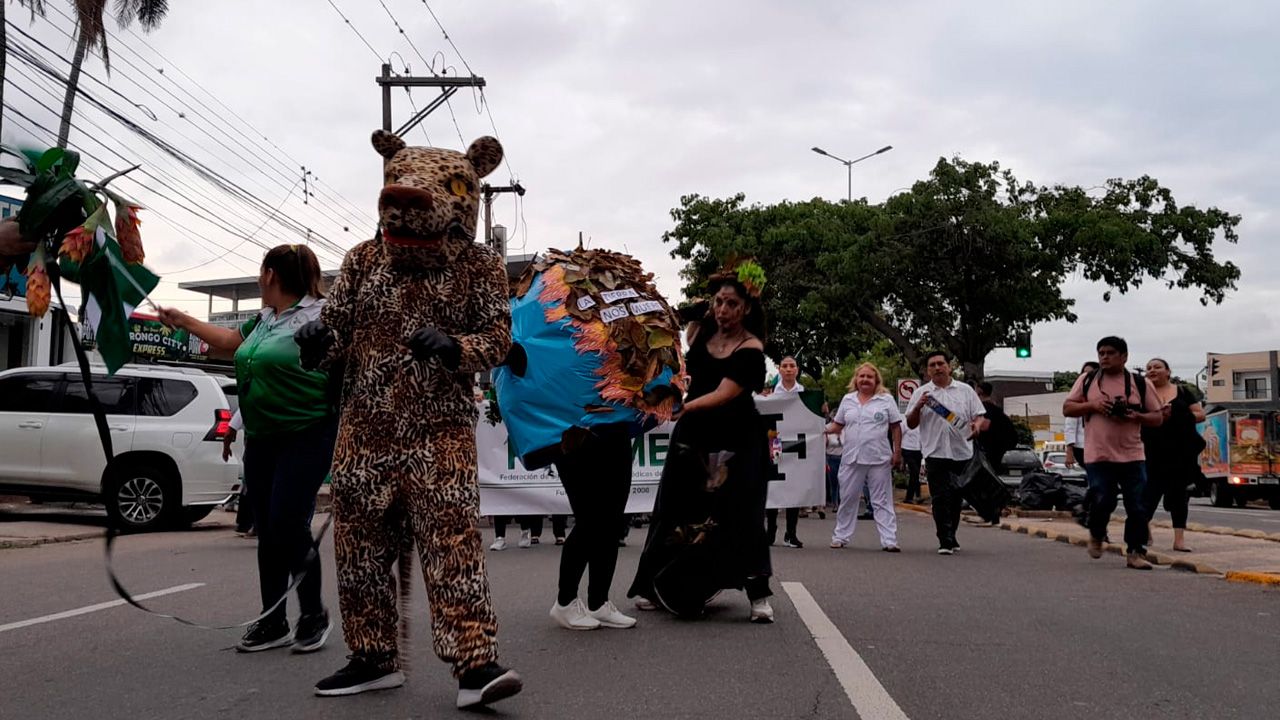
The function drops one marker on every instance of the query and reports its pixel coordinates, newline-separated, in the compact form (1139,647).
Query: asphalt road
(1010,627)
(1253,517)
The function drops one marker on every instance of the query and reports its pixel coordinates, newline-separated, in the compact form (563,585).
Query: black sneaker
(264,635)
(487,684)
(792,542)
(359,676)
(311,632)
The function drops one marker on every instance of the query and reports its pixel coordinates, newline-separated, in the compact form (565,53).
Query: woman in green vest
(290,424)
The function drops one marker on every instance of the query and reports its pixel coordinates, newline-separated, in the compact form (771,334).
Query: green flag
(111,290)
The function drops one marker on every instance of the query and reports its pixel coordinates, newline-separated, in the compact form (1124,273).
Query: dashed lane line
(95,608)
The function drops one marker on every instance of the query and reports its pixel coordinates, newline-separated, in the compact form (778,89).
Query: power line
(209,174)
(431,67)
(254,167)
(354,30)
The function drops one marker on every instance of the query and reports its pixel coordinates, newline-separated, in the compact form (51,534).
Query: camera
(1120,408)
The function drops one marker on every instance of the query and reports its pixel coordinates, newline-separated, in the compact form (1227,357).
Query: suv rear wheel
(1219,495)
(141,498)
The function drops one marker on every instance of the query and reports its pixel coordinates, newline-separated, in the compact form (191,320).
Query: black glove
(314,340)
(428,342)
(517,359)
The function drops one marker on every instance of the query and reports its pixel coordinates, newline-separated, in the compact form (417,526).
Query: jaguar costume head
(430,198)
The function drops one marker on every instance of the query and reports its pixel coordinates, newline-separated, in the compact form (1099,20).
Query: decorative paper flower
(38,286)
(127,233)
(77,244)
(751,275)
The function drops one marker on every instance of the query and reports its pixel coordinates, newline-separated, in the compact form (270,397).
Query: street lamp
(848,164)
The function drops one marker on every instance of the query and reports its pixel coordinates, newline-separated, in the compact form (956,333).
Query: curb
(35,542)
(1221,530)
(1259,578)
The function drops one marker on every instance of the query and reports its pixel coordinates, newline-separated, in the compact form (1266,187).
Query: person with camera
(1116,404)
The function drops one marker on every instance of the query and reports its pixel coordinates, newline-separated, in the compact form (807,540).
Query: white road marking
(95,608)
(866,693)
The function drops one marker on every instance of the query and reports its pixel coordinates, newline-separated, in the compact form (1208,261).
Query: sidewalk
(1233,557)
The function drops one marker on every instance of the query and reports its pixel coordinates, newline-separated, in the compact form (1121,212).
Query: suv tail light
(221,425)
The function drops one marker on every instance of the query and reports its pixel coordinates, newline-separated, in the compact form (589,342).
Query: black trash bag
(1039,491)
(1072,498)
(979,486)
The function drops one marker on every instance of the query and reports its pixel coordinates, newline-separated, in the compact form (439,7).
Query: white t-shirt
(946,437)
(910,438)
(1073,432)
(866,428)
(798,388)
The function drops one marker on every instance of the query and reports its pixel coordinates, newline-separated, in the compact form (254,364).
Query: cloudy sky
(611,110)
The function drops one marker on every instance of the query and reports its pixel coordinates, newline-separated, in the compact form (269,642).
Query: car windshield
(1020,458)
(1056,458)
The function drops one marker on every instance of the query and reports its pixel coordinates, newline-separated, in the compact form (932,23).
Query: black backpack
(1129,379)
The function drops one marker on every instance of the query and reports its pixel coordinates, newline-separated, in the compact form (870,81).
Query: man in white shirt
(788,383)
(949,415)
(1073,429)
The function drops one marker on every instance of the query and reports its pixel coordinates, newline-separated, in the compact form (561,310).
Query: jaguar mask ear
(387,144)
(485,154)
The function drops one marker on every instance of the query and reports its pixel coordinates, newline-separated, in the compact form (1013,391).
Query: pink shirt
(1113,439)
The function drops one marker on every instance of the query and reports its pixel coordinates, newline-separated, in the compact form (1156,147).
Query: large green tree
(962,261)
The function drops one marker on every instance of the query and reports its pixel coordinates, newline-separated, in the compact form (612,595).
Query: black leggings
(1170,482)
(597,479)
(771,523)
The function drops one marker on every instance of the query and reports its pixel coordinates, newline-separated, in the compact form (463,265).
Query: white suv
(167,425)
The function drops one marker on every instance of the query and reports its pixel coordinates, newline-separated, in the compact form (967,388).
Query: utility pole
(488,191)
(447,86)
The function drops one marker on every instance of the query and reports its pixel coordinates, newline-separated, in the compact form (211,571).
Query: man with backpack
(1115,405)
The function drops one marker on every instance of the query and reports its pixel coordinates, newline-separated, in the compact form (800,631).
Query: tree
(91,34)
(804,308)
(964,260)
(893,367)
(37,8)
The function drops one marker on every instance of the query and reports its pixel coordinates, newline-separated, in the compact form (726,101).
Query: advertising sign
(1215,459)
(154,340)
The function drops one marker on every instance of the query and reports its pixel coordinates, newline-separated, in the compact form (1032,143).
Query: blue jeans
(1105,479)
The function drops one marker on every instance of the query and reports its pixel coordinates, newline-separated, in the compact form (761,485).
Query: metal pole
(488,216)
(386,97)
(849,167)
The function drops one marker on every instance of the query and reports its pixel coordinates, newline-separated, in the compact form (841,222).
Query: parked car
(1016,463)
(1056,462)
(167,426)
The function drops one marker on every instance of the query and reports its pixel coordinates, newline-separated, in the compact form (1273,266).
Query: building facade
(1242,377)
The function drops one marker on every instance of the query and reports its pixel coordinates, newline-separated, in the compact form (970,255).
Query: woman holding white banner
(708,519)
(870,427)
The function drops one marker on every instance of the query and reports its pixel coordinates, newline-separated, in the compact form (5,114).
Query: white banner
(507,488)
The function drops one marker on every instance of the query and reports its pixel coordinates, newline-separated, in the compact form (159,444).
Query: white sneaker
(645,605)
(608,616)
(761,611)
(574,616)
(526,538)
(499,544)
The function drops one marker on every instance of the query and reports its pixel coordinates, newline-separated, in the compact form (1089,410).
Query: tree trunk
(73,83)
(895,336)
(974,371)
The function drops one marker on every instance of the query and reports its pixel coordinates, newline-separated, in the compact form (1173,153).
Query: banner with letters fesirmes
(797,479)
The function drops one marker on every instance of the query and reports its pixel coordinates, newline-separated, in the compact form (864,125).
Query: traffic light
(1213,366)
(1022,345)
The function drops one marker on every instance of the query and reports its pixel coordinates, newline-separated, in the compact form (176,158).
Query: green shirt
(276,394)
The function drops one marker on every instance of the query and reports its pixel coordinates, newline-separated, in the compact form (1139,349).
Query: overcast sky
(611,110)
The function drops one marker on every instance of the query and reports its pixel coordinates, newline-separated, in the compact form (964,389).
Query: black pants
(244,509)
(771,523)
(284,471)
(945,498)
(913,459)
(1168,481)
(532,523)
(597,479)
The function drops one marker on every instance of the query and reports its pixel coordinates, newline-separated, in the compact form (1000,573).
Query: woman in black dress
(1172,450)
(708,532)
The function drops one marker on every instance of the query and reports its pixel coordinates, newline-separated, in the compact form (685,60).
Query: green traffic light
(1024,352)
